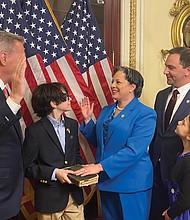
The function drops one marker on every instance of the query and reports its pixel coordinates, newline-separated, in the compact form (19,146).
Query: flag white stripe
(71,80)
(36,70)
(106,69)
(97,87)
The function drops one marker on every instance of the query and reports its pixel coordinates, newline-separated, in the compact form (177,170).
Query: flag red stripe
(44,70)
(61,78)
(26,113)
(103,82)
(31,81)
(97,106)
(78,76)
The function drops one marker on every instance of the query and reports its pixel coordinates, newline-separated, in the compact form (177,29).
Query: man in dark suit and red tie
(12,70)
(172,105)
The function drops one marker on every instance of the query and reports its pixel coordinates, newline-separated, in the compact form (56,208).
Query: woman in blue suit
(122,135)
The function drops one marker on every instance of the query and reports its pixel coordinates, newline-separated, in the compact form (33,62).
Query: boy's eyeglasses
(67,98)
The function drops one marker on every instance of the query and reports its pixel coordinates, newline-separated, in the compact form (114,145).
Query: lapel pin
(68,130)
(122,116)
(187,101)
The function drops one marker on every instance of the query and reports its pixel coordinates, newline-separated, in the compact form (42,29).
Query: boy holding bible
(50,145)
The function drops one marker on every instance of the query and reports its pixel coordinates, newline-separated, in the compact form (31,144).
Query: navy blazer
(11,162)
(166,144)
(124,156)
(42,154)
(181,176)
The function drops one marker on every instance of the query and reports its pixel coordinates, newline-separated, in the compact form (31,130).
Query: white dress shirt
(12,105)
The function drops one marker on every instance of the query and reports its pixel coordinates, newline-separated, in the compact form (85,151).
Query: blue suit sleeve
(89,132)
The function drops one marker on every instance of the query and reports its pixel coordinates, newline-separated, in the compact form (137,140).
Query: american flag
(82,36)
(60,65)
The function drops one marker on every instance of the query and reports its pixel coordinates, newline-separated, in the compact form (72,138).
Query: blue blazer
(42,154)
(11,162)
(124,156)
(167,144)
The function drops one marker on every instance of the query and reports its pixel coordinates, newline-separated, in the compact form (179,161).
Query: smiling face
(176,74)
(183,128)
(121,89)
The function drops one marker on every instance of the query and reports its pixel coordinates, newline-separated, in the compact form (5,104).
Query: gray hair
(7,40)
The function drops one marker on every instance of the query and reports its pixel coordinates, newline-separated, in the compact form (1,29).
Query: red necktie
(170,108)
(6,92)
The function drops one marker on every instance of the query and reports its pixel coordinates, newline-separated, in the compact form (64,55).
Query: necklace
(120,109)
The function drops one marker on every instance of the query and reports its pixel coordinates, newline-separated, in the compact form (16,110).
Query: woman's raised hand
(86,109)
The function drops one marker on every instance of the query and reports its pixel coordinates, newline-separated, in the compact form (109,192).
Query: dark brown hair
(44,94)
(133,77)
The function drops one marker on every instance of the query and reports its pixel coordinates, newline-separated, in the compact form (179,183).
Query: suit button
(172,190)
(66,162)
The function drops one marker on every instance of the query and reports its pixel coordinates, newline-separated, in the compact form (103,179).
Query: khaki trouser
(71,212)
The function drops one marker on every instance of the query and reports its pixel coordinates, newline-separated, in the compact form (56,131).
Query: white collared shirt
(182,93)
(59,128)
(12,105)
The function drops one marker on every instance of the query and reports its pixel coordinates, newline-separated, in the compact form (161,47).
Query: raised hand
(86,109)
(18,81)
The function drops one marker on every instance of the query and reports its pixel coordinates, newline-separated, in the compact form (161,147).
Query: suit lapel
(182,111)
(68,135)
(18,128)
(51,132)
(163,105)
(121,117)
(2,96)
(103,118)
(16,125)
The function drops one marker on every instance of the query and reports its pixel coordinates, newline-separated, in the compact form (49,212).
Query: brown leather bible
(81,180)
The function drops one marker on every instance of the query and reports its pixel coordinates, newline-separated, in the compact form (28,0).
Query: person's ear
(188,71)
(188,137)
(53,104)
(133,87)
(3,58)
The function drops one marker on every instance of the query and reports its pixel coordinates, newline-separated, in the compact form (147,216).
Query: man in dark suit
(166,144)
(51,144)
(12,70)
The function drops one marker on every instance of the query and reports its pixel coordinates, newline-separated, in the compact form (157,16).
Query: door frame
(112,30)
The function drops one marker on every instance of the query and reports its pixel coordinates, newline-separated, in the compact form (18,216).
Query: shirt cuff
(53,176)
(12,105)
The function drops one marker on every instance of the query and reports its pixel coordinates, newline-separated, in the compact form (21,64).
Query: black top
(181,176)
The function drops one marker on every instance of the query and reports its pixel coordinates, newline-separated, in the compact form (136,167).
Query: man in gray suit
(12,70)
(166,144)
